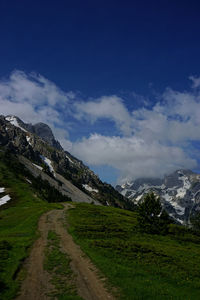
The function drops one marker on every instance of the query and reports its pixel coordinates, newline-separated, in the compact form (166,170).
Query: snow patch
(71,161)
(39,167)
(179,220)
(2,189)
(28,181)
(48,162)
(132,194)
(14,122)
(126,184)
(4,199)
(137,199)
(125,191)
(89,189)
(179,209)
(181,192)
(167,197)
(28,140)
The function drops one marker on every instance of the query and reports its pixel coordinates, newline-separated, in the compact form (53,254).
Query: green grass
(141,266)
(18,227)
(57,263)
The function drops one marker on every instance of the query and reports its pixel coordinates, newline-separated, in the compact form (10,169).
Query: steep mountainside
(37,144)
(179,192)
(40,129)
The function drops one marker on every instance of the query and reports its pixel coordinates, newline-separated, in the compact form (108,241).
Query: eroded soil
(37,284)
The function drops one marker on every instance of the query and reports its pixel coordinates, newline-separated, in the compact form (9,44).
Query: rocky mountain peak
(179,192)
(40,129)
(16,122)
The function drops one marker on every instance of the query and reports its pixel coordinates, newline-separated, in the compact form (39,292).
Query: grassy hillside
(18,223)
(143,266)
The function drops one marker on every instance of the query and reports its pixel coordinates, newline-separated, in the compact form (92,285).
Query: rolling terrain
(29,249)
(60,240)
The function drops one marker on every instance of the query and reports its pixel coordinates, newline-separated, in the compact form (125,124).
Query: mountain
(40,129)
(179,193)
(34,177)
(36,147)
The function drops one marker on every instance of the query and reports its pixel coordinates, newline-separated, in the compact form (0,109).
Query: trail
(36,286)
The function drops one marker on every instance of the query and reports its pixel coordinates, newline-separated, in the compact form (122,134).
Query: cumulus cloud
(133,156)
(173,120)
(163,139)
(32,88)
(33,98)
(110,107)
(153,140)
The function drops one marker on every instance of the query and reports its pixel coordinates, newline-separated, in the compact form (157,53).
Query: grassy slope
(18,226)
(142,266)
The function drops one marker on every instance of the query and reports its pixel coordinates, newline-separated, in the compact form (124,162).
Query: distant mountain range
(36,147)
(179,193)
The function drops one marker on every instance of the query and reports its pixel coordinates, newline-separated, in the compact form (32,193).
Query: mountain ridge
(179,193)
(40,129)
(15,137)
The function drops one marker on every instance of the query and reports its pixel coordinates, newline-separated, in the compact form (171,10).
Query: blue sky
(104,71)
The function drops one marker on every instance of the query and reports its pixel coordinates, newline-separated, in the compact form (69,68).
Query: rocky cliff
(37,144)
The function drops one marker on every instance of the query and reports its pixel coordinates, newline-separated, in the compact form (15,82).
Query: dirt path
(36,286)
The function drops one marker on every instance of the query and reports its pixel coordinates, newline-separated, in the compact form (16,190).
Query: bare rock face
(37,143)
(44,132)
(40,129)
(179,193)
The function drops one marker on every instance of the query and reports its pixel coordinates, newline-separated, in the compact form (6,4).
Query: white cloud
(32,88)
(152,141)
(133,156)
(195,81)
(174,120)
(109,107)
(33,98)
(162,138)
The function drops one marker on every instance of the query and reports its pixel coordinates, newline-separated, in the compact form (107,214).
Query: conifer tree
(152,218)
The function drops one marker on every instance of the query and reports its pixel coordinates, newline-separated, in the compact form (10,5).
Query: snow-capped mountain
(179,192)
(36,147)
